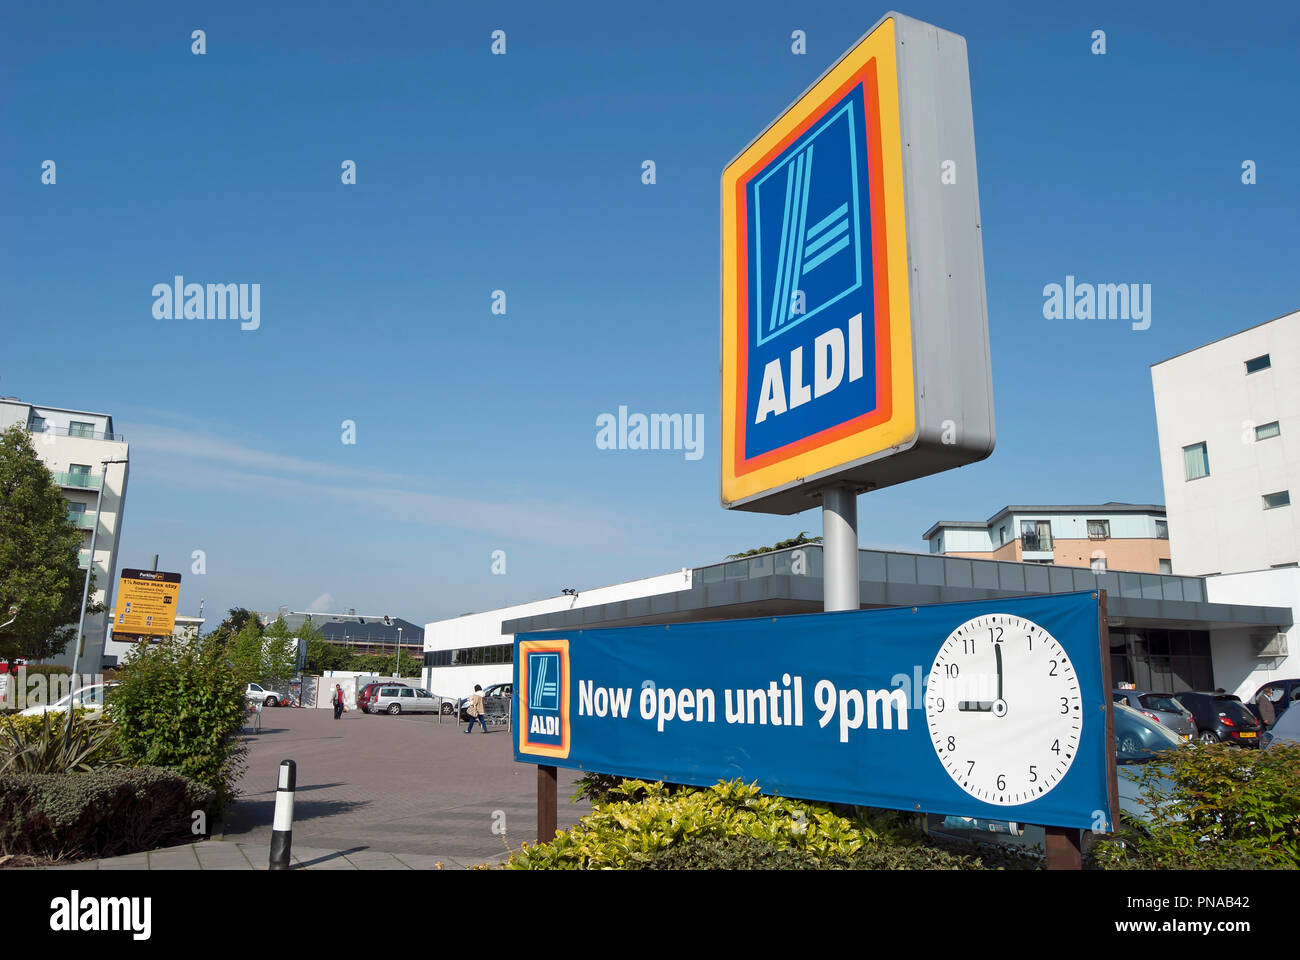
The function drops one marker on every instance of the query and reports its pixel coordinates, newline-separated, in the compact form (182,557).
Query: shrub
(640,825)
(1213,806)
(57,743)
(181,706)
(102,813)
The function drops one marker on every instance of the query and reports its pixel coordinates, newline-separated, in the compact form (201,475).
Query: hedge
(102,813)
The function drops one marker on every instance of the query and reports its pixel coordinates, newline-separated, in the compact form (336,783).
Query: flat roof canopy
(766,585)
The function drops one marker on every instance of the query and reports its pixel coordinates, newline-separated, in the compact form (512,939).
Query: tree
(39,568)
(279,654)
(781,545)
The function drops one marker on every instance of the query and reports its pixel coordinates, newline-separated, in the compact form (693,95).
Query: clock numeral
(950,669)
(1033,774)
(1065,705)
(1030,638)
(971,767)
(998,638)
(1056,746)
(1052,672)
(1002,781)
(952,744)
(938,705)
(968,646)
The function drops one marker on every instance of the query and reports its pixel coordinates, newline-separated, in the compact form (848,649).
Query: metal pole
(840,548)
(547,803)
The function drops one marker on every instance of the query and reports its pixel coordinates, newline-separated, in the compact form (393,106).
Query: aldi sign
(854,335)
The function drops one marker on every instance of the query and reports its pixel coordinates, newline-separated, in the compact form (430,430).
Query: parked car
(496,703)
(256,693)
(89,697)
(1139,740)
(1222,718)
(1283,693)
(393,699)
(1162,708)
(367,693)
(1286,730)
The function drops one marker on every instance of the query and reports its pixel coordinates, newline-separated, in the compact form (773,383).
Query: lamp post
(397,669)
(90,567)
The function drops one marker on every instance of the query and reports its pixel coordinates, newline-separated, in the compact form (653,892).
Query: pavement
(373,792)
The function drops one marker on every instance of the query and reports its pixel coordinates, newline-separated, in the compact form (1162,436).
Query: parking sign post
(547,803)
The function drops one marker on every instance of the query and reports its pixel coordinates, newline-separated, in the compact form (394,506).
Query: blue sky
(476,432)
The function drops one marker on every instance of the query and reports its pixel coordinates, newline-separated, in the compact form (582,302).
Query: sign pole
(840,548)
(547,803)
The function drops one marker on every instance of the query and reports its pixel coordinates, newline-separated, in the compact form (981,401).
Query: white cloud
(324,603)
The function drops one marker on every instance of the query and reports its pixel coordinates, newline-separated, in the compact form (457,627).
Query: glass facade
(1168,661)
(470,656)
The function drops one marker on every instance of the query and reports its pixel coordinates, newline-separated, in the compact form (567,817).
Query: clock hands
(996,707)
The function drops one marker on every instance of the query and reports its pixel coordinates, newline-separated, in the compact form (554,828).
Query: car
(496,703)
(1283,693)
(1160,707)
(257,693)
(1222,718)
(89,698)
(1139,740)
(394,699)
(1285,731)
(367,693)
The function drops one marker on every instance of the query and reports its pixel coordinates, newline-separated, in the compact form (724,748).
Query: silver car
(395,700)
(1163,708)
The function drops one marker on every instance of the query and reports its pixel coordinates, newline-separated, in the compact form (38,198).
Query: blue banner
(994,709)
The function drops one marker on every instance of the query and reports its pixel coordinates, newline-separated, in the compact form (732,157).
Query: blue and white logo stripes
(544,688)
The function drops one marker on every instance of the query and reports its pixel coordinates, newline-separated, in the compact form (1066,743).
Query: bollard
(282,828)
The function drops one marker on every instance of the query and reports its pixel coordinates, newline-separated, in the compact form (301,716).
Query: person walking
(339,703)
(475,710)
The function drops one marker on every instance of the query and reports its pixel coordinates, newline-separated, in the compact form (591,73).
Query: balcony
(81,481)
(83,558)
(76,432)
(84,519)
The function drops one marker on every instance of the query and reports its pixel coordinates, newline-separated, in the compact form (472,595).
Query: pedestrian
(1266,712)
(475,710)
(339,703)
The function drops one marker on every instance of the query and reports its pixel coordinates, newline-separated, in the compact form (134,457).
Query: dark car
(1282,693)
(366,695)
(1222,718)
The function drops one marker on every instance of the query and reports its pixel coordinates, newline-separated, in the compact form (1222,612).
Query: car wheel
(272,702)
(394,709)
(1207,736)
(448,710)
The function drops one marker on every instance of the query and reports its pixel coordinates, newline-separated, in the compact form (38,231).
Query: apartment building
(365,633)
(1228,418)
(75,445)
(1106,536)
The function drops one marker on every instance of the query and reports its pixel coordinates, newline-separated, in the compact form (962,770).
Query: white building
(471,649)
(73,445)
(1228,416)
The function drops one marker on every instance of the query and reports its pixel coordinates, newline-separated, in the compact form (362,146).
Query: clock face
(1004,709)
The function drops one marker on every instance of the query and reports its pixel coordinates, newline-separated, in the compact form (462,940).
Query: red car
(367,693)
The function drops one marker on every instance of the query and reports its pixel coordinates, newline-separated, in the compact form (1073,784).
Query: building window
(1280,499)
(1162,529)
(470,656)
(1256,364)
(1196,461)
(1166,566)
(1002,534)
(1035,535)
(36,424)
(1266,430)
(79,429)
(1098,529)
(1099,564)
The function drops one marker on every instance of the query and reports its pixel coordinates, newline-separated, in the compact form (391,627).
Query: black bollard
(282,828)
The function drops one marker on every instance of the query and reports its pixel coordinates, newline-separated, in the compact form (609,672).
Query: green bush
(180,705)
(640,825)
(1216,807)
(103,813)
(58,743)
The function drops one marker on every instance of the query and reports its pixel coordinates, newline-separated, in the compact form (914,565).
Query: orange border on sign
(872,64)
(560,646)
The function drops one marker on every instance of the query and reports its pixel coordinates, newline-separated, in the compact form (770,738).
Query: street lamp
(397,667)
(90,567)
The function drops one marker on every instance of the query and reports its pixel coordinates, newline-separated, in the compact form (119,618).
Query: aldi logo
(544,708)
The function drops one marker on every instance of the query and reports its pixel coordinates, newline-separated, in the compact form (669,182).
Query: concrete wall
(1217,523)
(1236,667)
